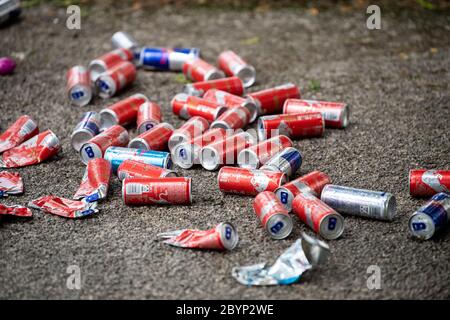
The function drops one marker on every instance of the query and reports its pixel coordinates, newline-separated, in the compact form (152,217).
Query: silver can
(360,202)
(87,128)
(122,39)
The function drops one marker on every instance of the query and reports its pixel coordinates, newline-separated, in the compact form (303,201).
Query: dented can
(312,183)
(153,139)
(115,79)
(298,125)
(23,129)
(172,190)
(148,116)
(86,129)
(186,107)
(197,69)
(10,183)
(248,182)
(335,114)
(231,85)
(232,101)
(360,202)
(186,154)
(192,128)
(270,101)
(165,58)
(95,183)
(273,215)
(426,183)
(117,155)
(318,216)
(122,112)
(288,161)
(225,151)
(108,61)
(431,217)
(232,119)
(78,87)
(233,65)
(96,147)
(138,169)
(258,155)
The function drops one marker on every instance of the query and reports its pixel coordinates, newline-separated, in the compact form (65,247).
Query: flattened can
(86,129)
(186,107)
(425,183)
(233,65)
(189,130)
(148,116)
(232,119)
(288,161)
(231,85)
(171,190)
(97,146)
(320,217)
(230,101)
(335,114)
(311,183)
(299,125)
(248,182)
(108,61)
(78,86)
(273,215)
(117,155)
(137,169)
(122,112)
(153,139)
(431,217)
(197,69)
(23,129)
(186,154)
(270,101)
(360,202)
(258,155)
(115,79)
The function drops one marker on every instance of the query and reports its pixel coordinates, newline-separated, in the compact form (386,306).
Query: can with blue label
(166,58)
(117,155)
(431,217)
(288,161)
(86,129)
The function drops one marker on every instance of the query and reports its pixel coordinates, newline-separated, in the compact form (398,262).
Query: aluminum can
(431,217)
(23,129)
(311,183)
(148,116)
(186,107)
(299,125)
(115,79)
(122,112)
(137,169)
(288,161)
(197,69)
(425,183)
(270,101)
(153,139)
(233,118)
(108,61)
(78,86)
(231,85)
(166,58)
(122,39)
(95,183)
(233,65)
(86,129)
(117,155)
(360,202)
(335,114)
(273,215)
(320,217)
(232,101)
(96,147)
(172,190)
(191,129)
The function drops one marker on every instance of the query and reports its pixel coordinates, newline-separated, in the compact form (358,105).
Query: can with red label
(148,116)
(233,65)
(426,183)
(232,101)
(23,129)
(298,125)
(170,190)
(108,61)
(186,154)
(231,85)
(192,128)
(224,152)
(273,215)
(186,107)
(115,79)
(270,101)
(312,183)
(138,169)
(318,216)
(153,139)
(122,112)
(233,118)
(197,69)
(249,182)
(288,160)
(336,114)
(78,86)
(96,147)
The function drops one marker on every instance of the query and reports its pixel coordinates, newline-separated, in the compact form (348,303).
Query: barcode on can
(134,188)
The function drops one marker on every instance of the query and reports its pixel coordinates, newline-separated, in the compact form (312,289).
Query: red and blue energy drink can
(425,183)
(165,58)
(288,161)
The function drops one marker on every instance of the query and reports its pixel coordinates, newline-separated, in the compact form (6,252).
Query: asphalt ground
(396,80)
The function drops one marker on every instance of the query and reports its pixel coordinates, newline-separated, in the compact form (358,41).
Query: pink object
(7,66)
